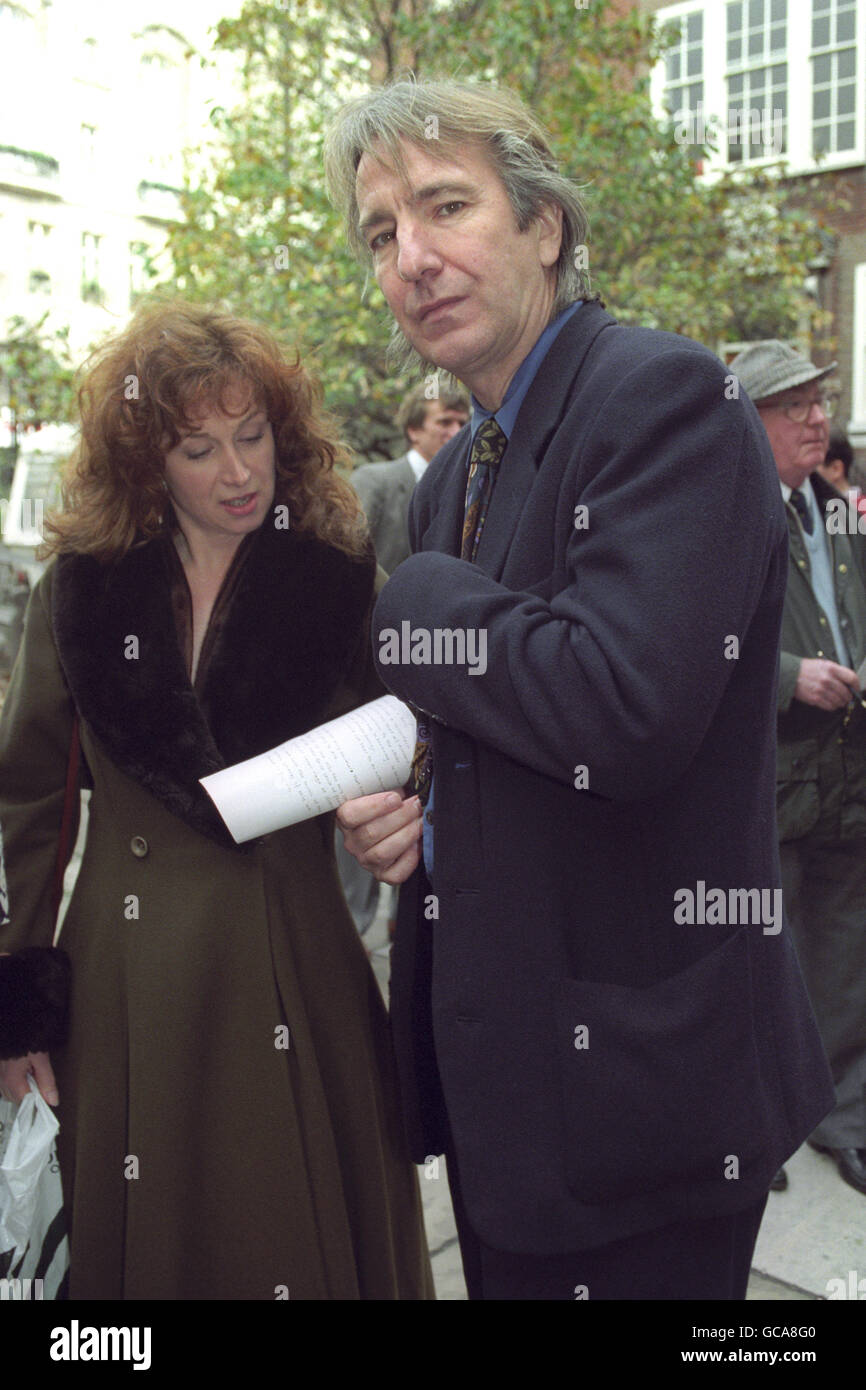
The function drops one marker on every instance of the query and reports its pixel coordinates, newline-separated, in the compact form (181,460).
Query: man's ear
(548,229)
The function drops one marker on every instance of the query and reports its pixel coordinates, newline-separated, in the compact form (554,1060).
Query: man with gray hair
(595,1017)
(821,790)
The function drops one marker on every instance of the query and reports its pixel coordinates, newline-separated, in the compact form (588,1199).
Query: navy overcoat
(596,996)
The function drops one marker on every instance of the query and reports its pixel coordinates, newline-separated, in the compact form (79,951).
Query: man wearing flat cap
(821,773)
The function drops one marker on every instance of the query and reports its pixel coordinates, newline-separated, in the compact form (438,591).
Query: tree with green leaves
(719,260)
(36,382)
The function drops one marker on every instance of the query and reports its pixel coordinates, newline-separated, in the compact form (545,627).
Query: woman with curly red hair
(228,1121)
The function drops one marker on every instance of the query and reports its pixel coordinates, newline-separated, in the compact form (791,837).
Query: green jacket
(821,768)
(227,1031)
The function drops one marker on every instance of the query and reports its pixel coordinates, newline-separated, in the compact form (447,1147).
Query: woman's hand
(383,832)
(14,1073)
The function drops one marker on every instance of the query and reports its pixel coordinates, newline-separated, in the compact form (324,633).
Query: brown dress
(229,1124)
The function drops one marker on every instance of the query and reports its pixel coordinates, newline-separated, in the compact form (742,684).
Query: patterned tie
(487,450)
(801,507)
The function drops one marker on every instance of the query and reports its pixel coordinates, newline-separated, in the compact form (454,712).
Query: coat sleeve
(622,667)
(35,734)
(789,672)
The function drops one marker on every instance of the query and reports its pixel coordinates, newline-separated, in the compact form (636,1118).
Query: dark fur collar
(292,627)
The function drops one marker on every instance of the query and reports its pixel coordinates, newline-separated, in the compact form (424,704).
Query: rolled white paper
(368,750)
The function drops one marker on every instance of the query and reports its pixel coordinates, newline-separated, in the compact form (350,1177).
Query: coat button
(139,846)
(802,564)
(843,569)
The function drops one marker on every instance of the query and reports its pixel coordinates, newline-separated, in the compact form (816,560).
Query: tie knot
(489,444)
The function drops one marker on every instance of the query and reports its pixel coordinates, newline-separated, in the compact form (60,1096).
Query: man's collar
(417,462)
(787,489)
(816,490)
(507,412)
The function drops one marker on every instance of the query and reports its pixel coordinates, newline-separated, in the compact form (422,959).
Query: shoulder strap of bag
(69,799)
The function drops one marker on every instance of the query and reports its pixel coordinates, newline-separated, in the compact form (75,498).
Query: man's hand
(383,832)
(825,683)
(14,1072)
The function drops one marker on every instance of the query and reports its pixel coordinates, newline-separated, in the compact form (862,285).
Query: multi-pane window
(766,80)
(684,62)
(757,79)
(834,76)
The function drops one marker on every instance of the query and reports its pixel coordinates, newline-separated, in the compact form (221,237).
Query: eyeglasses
(799,410)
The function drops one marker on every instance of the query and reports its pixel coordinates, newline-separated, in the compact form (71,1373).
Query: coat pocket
(661,1086)
(852,820)
(798,801)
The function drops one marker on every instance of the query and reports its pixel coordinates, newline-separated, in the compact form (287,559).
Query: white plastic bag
(31,1198)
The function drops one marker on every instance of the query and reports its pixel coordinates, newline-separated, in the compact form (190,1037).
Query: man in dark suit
(385,489)
(597,1010)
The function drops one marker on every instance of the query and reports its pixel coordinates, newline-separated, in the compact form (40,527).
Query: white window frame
(745,67)
(797,55)
(684,79)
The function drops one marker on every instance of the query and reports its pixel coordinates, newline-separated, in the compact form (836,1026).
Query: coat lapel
(400,490)
(550,393)
(404,479)
(445,484)
(292,627)
(539,416)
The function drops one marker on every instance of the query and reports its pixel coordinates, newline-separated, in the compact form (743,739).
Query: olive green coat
(228,1118)
(821,760)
